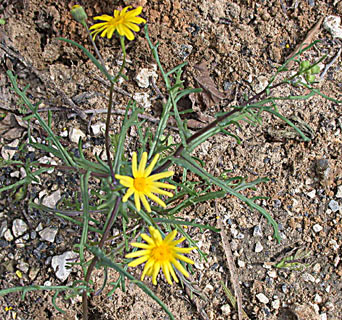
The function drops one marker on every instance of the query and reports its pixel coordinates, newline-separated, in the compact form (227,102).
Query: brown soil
(243,42)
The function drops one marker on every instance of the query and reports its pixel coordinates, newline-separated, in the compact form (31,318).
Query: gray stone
(75,134)
(143,77)
(334,206)
(19,227)
(3,228)
(8,153)
(276,304)
(48,234)
(257,232)
(307,277)
(8,235)
(98,128)
(52,199)
(332,24)
(59,264)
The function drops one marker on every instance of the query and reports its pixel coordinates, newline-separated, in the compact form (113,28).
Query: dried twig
(306,42)
(232,269)
(327,66)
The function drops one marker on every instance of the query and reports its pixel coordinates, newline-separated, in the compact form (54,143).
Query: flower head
(143,184)
(122,21)
(79,14)
(160,253)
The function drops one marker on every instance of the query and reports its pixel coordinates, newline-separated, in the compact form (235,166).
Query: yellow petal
(142,164)
(164,185)
(156,269)
(180,267)
(160,175)
(145,203)
(174,243)
(134,164)
(132,26)
(137,20)
(148,239)
(156,199)
(160,191)
(156,236)
(184,258)
(148,266)
(134,12)
(122,13)
(140,245)
(166,272)
(128,33)
(184,250)
(104,17)
(138,261)
(129,192)
(138,253)
(170,236)
(172,271)
(151,166)
(137,201)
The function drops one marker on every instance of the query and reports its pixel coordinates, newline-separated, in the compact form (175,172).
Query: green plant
(109,199)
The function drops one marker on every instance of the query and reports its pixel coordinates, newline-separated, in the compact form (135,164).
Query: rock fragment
(19,227)
(59,264)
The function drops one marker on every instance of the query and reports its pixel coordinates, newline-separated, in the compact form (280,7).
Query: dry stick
(330,63)
(306,42)
(234,275)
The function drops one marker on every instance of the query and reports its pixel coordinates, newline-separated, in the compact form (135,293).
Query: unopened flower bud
(79,14)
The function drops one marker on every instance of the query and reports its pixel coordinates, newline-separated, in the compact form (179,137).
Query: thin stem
(95,259)
(107,142)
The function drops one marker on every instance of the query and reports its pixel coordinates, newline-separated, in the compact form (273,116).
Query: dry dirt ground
(243,42)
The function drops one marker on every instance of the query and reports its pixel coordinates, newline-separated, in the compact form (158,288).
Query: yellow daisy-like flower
(143,185)
(160,253)
(122,21)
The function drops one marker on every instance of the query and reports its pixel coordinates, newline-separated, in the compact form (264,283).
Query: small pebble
(311,194)
(48,234)
(307,277)
(324,316)
(272,273)
(257,232)
(276,304)
(339,192)
(334,206)
(52,199)
(8,235)
(317,228)
(262,298)
(258,247)
(75,134)
(241,264)
(226,311)
(318,298)
(19,227)
(59,264)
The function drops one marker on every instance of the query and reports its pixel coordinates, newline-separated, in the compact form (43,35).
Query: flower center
(116,21)
(161,253)
(140,184)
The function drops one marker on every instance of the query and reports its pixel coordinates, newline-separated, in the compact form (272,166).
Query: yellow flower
(122,21)
(143,185)
(160,253)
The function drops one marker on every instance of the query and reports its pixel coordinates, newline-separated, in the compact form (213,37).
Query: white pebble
(258,247)
(59,264)
(339,192)
(276,304)
(241,264)
(318,298)
(262,298)
(226,311)
(48,234)
(317,228)
(75,134)
(19,227)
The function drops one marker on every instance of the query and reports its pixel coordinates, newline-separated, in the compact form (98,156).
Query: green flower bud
(310,78)
(315,69)
(79,14)
(304,65)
